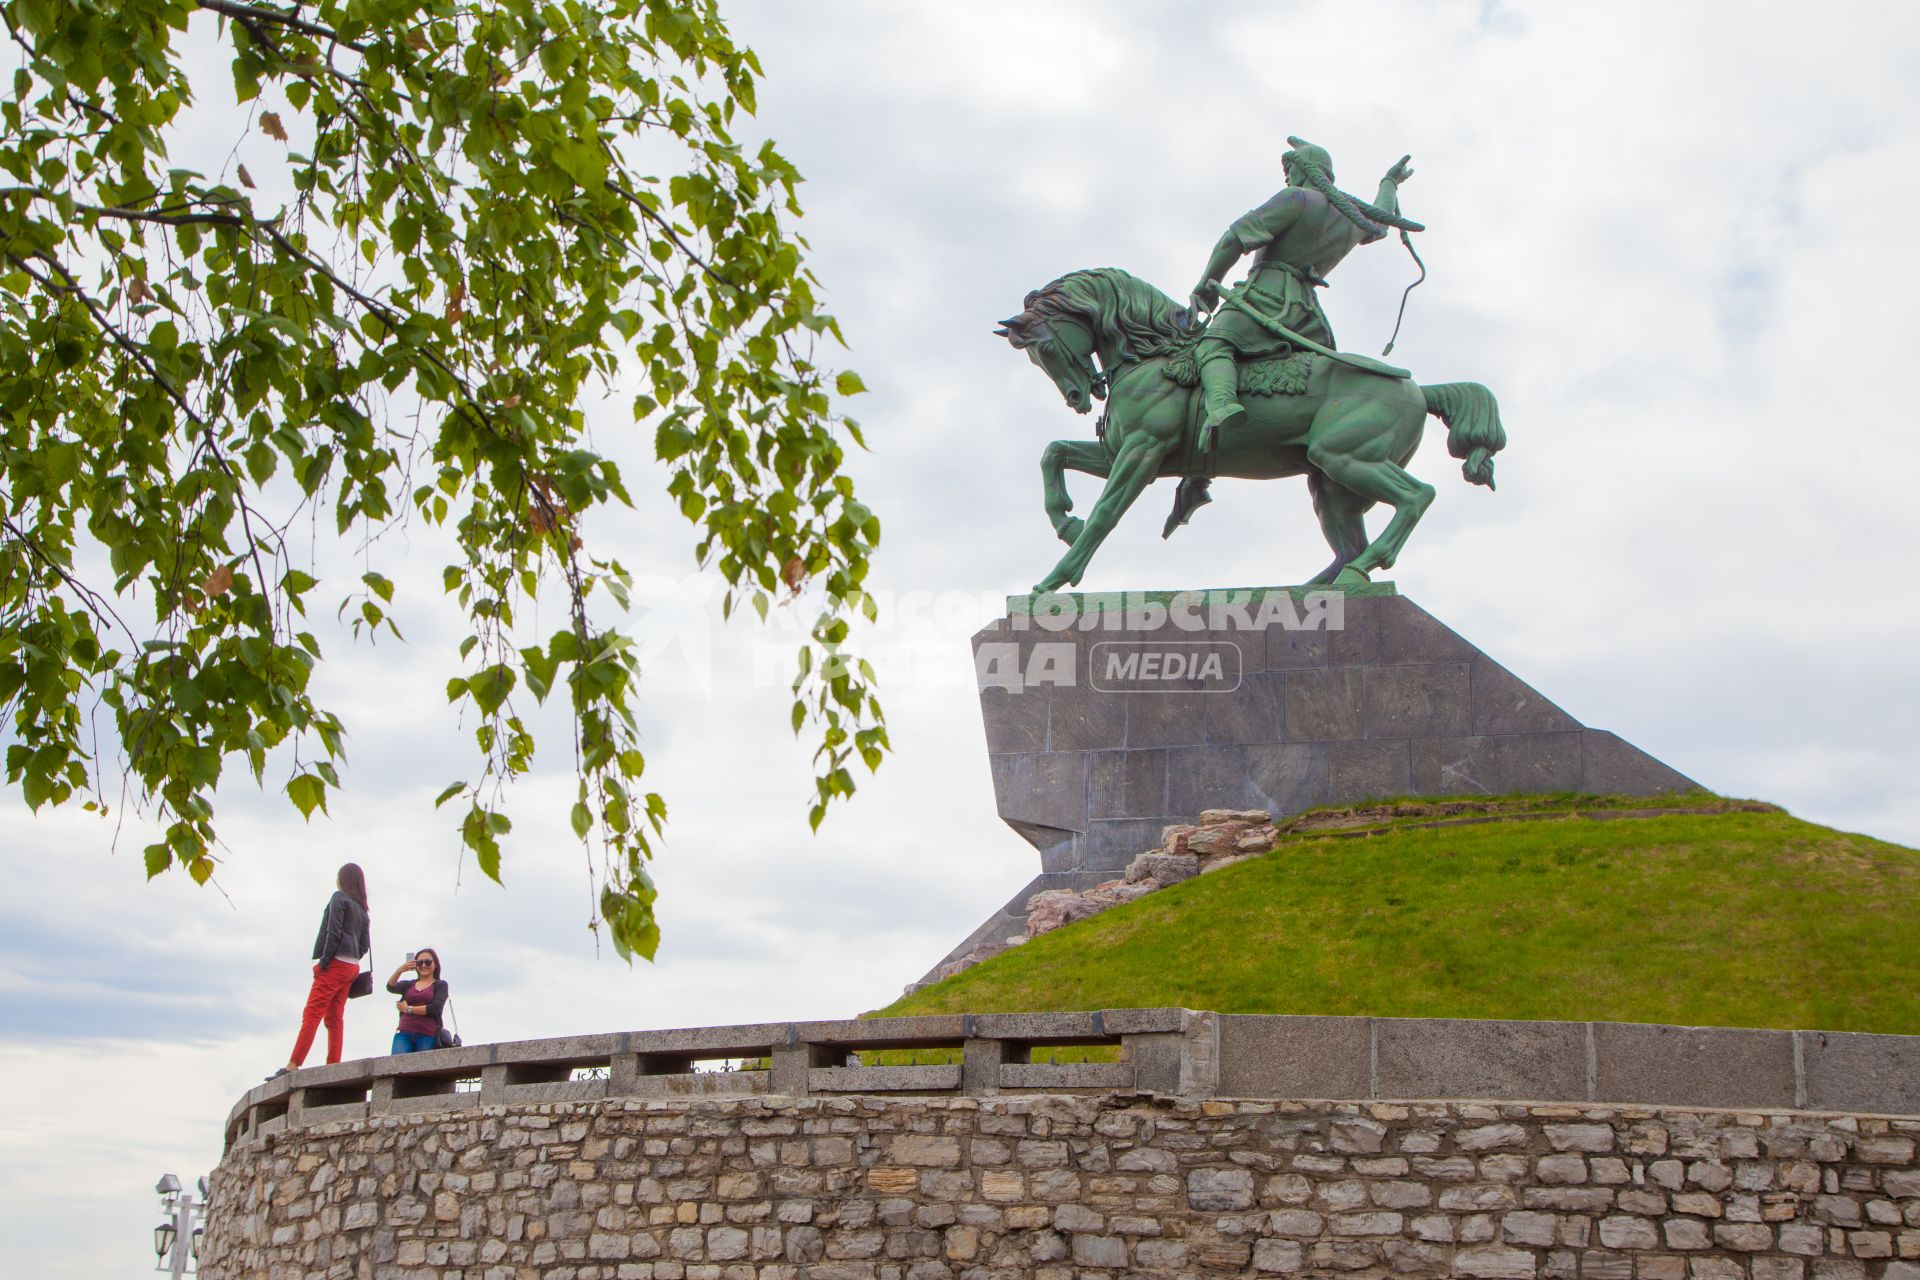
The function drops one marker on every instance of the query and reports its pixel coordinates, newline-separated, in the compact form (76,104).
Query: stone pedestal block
(1111,716)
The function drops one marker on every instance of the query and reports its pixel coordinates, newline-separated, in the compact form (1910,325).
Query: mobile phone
(411,955)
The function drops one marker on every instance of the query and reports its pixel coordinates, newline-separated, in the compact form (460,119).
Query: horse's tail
(1474,432)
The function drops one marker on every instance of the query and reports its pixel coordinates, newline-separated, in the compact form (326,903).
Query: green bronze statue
(1257,391)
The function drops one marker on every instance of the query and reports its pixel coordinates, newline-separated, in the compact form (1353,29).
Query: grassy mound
(1725,913)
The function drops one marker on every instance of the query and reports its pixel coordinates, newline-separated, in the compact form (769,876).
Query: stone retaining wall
(1091,1185)
(1666,1153)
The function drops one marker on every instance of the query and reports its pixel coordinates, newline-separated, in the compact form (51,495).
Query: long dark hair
(353,882)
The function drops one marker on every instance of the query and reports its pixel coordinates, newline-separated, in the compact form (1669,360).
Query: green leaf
(308,793)
(582,820)
(262,462)
(453,789)
(541,669)
(585,162)
(490,687)
(848,383)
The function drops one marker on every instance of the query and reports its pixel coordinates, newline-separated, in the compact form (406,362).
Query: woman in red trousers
(345,936)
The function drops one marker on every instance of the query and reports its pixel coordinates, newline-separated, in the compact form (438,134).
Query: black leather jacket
(343,930)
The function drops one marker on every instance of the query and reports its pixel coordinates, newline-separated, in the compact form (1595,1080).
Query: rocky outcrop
(1218,837)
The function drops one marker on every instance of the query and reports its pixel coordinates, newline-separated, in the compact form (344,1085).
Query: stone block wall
(1071,1187)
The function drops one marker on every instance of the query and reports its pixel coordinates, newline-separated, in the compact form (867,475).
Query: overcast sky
(1672,238)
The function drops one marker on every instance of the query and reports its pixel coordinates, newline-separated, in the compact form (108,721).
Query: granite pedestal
(1109,717)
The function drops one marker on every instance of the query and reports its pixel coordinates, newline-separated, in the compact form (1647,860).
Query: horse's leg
(1056,460)
(1356,448)
(1134,468)
(1341,512)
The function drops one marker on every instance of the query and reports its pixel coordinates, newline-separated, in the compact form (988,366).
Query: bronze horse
(1349,430)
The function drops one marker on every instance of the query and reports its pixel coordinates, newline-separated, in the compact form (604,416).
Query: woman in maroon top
(421,1002)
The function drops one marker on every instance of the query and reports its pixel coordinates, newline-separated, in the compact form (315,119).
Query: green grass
(1731,918)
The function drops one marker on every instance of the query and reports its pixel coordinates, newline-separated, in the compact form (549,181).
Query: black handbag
(449,1039)
(363,981)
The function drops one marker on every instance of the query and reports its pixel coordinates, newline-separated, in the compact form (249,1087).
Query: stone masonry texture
(1070,1187)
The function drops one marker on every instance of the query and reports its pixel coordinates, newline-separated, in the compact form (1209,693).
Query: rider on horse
(1296,238)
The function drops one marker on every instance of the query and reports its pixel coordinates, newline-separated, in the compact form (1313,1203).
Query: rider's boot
(1187,499)
(1220,392)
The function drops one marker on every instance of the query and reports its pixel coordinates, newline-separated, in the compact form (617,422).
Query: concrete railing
(1171,1051)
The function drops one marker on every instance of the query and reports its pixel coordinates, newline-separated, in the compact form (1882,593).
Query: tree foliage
(479,212)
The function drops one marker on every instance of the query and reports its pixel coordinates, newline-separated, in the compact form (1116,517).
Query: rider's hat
(1307,153)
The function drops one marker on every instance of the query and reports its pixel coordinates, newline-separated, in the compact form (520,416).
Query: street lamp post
(176,1241)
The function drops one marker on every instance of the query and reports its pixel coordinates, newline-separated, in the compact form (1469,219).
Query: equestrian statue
(1247,382)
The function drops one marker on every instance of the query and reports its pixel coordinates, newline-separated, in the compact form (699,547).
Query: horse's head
(1102,310)
(1063,348)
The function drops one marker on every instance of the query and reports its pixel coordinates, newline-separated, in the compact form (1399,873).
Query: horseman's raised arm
(1389,195)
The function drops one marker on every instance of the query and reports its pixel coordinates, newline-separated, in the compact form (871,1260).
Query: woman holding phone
(421,1002)
(345,935)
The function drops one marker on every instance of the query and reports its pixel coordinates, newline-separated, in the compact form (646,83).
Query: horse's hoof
(1351,577)
(1069,529)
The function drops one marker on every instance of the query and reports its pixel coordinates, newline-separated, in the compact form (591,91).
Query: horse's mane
(1147,322)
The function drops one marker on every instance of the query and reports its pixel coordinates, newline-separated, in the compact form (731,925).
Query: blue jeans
(414,1042)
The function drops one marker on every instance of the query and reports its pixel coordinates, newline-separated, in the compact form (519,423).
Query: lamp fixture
(176,1241)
